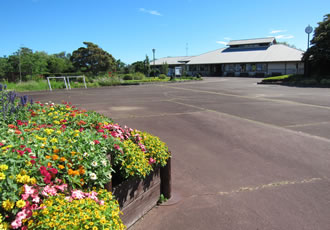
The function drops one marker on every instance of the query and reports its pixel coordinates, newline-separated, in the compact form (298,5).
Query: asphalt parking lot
(245,156)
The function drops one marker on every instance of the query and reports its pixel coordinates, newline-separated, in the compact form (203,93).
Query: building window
(261,67)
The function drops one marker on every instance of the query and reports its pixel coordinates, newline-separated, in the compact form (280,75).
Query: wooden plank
(141,205)
(129,190)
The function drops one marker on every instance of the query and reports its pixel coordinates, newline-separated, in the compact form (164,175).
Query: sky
(130,29)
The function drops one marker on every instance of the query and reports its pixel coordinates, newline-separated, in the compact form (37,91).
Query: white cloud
(284,36)
(152,12)
(277,31)
(221,42)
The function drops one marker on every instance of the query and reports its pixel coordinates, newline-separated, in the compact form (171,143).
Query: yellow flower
(2,176)
(20,204)
(53,140)
(7,205)
(3,167)
(86,226)
(56,122)
(95,228)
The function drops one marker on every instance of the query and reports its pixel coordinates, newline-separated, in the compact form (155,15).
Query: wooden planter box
(137,196)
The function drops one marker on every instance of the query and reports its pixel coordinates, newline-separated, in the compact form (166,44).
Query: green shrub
(128,77)
(108,81)
(325,82)
(162,76)
(138,76)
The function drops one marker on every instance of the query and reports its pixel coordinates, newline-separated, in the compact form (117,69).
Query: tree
(319,53)
(164,68)
(92,59)
(138,66)
(120,66)
(3,67)
(147,66)
(59,63)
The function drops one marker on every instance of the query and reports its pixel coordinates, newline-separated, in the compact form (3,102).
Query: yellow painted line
(272,185)
(248,97)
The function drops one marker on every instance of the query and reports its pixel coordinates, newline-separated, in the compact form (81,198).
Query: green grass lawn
(94,83)
(298,80)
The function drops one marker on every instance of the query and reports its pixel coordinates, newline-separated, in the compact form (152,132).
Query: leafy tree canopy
(319,53)
(92,59)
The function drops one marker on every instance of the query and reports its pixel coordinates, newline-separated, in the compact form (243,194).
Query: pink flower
(16,224)
(48,190)
(36,199)
(61,187)
(101,202)
(92,195)
(77,194)
(68,198)
(104,136)
(96,142)
(29,190)
(33,162)
(116,146)
(151,160)
(100,131)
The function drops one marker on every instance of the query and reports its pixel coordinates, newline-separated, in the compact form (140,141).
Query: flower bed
(57,159)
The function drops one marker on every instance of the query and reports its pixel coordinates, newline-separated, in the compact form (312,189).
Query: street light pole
(308,30)
(153,51)
(19,66)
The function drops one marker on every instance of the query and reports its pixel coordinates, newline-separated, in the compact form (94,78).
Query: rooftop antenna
(186,49)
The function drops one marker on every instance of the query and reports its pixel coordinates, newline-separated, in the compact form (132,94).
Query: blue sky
(130,29)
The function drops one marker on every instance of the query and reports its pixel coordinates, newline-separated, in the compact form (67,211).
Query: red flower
(22,146)
(100,131)
(33,162)
(28,150)
(105,136)
(1,144)
(96,142)
(20,152)
(53,170)
(81,129)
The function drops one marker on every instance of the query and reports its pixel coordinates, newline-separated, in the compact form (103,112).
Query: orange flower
(55,157)
(11,126)
(81,171)
(47,157)
(56,150)
(73,153)
(62,167)
(18,132)
(62,159)
(69,165)
(76,172)
(70,171)
(49,164)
